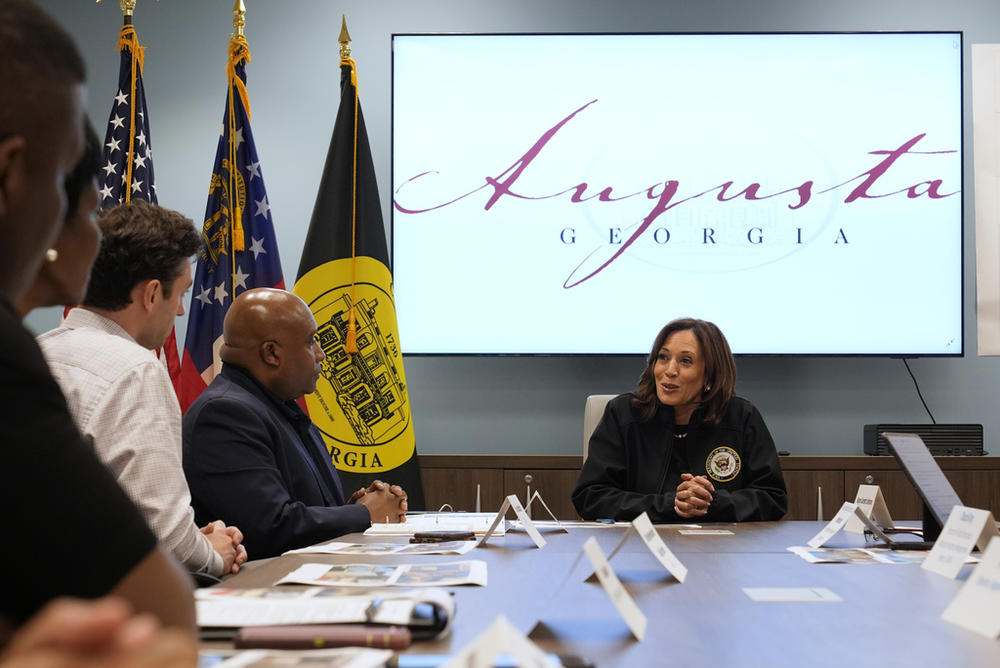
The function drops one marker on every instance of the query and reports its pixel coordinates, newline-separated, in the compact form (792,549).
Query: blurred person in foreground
(62,280)
(683,446)
(73,530)
(70,633)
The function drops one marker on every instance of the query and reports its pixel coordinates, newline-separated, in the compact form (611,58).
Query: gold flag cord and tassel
(127,39)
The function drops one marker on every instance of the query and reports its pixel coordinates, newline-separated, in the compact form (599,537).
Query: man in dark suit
(252,456)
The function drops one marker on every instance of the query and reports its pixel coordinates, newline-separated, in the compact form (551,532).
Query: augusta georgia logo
(753,220)
(723,464)
(360,404)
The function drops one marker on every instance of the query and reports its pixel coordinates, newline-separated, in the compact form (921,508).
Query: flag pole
(236,242)
(351,342)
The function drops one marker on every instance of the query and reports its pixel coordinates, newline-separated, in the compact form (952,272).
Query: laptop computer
(936,492)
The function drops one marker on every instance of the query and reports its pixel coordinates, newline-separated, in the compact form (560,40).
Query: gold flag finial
(239,22)
(128,6)
(344,39)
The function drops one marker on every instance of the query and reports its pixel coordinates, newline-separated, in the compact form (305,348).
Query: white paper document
(525,519)
(833,526)
(525,522)
(343,657)
(501,638)
(475,522)
(445,547)
(966,527)
(630,612)
(317,605)
(651,538)
(871,502)
(705,532)
(791,595)
(847,511)
(553,519)
(977,605)
(855,555)
(385,575)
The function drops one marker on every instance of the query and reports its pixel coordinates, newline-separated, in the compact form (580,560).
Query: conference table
(889,614)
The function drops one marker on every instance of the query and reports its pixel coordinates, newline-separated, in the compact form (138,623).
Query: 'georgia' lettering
(355,459)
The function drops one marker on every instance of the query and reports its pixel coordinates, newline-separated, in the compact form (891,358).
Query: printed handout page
(396,549)
(343,657)
(317,605)
(856,555)
(385,575)
(478,523)
(791,595)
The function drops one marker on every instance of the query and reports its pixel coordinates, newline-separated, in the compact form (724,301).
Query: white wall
(507,405)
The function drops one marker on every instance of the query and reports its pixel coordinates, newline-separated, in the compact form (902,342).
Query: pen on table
(502,661)
(318,636)
(604,520)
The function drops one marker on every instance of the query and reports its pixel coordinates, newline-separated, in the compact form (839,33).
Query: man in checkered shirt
(119,392)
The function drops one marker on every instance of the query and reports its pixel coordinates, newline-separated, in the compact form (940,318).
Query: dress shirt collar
(80,317)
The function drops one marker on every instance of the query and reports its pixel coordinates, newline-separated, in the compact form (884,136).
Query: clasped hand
(227,541)
(693,496)
(383,501)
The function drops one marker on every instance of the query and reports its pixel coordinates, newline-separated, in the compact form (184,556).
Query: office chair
(593,410)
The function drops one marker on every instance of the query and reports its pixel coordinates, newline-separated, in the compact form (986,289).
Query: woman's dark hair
(720,369)
(86,169)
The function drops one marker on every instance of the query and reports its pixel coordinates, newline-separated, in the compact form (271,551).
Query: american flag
(127,173)
(128,155)
(239,251)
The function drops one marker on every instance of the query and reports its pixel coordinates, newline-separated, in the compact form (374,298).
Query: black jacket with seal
(629,466)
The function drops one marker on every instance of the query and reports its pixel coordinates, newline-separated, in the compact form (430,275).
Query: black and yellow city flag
(360,404)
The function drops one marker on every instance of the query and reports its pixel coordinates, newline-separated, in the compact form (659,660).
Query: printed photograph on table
(472,572)
(344,657)
(433,573)
(369,575)
(446,547)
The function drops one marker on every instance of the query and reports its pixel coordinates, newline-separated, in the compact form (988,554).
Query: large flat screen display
(570,194)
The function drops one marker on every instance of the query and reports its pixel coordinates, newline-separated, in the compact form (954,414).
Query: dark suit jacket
(260,464)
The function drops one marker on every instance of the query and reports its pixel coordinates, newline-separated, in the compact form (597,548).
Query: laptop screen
(930,482)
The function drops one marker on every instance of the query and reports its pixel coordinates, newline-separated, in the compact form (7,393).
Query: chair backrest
(593,410)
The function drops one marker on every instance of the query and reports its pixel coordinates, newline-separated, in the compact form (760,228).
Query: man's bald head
(272,334)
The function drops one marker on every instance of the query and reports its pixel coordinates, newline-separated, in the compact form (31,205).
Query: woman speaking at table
(683,446)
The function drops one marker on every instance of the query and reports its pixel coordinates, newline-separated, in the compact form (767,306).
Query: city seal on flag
(360,404)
